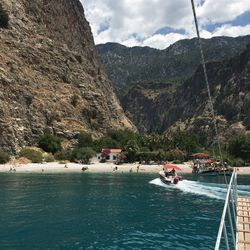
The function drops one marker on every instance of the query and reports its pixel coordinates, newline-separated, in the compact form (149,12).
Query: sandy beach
(96,167)
(55,167)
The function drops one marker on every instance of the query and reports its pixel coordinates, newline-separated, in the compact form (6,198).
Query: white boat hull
(169,179)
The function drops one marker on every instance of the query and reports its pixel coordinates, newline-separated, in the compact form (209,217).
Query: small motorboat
(169,178)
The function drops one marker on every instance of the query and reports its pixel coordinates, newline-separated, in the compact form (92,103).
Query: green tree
(49,158)
(63,155)
(31,154)
(4,18)
(84,140)
(105,142)
(185,141)
(49,142)
(83,154)
(122,136)
(239,147)
(161,155)
(153,141)
(147,156)
(4,157)
(176,154)
(132,149)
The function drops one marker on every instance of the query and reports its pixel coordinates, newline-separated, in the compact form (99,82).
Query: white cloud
(214,11)
(162,41)
(131,42)
(229,30)
(134,22)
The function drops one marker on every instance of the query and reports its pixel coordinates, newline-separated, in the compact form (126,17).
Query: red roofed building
(115,150)
(200,156)
(110,155)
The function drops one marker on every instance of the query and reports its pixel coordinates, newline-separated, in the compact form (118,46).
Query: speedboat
(169,178)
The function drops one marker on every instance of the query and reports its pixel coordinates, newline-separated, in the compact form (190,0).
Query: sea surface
(110,211)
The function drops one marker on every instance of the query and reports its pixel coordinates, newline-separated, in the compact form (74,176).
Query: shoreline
(55,167)
(96,167)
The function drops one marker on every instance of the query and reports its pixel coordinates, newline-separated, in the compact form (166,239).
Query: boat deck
(243,223)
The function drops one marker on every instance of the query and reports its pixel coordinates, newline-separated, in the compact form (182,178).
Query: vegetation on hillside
(4,157)
(83,150)
(84,140)
(83,154)
(4,18)
(33,155)
(138,147)
(177,147)
(49,143)
(239,147)
(74,100)
(127,66)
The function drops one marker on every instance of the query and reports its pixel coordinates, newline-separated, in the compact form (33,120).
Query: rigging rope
(207,84)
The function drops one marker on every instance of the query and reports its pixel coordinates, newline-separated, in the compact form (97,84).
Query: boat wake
(212,190)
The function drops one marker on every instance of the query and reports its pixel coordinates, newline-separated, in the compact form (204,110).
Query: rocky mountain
(127,66)
(168,107)
(50,75)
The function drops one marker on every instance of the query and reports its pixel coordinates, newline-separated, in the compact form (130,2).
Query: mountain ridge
(186,106)
(127,66)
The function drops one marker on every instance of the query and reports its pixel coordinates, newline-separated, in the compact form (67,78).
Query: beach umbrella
(170,166)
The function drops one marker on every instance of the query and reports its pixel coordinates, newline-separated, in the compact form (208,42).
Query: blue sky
(159,23)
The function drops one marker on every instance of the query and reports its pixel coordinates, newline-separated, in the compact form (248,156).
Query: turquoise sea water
(109,211)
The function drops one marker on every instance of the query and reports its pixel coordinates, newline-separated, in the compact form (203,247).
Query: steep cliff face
(64,21)
(50,75)
(146,105)
(186,106)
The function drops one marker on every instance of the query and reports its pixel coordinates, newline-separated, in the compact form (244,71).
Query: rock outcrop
(50,75)
(147,103)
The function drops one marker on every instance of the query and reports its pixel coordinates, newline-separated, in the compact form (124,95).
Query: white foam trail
(158,182)
(212,190)
(200,189)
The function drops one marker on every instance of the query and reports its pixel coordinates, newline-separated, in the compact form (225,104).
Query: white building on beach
(110,155)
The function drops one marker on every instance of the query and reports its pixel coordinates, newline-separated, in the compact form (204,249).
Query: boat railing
(228,218)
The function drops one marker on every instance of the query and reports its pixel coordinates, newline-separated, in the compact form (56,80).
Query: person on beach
(138,168)
(65,166)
